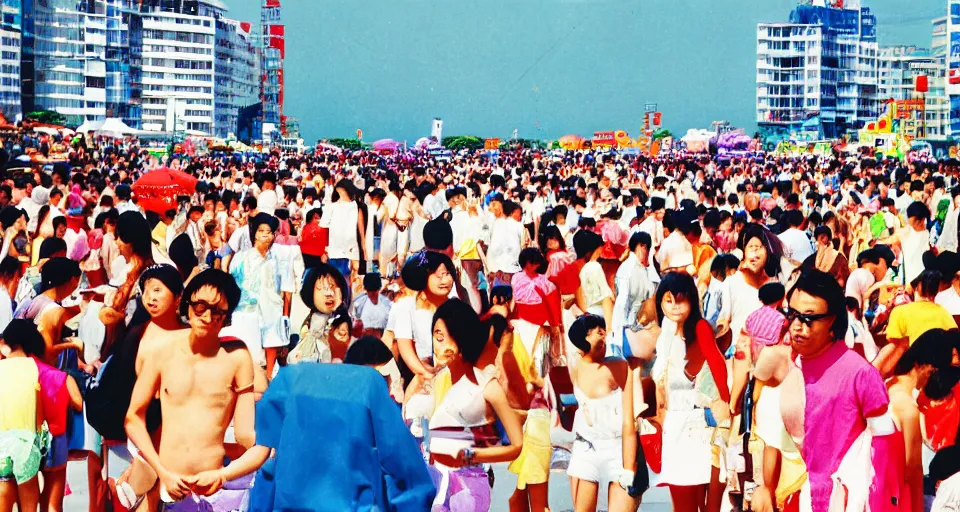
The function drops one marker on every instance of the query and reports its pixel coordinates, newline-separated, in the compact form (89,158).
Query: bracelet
(468,456)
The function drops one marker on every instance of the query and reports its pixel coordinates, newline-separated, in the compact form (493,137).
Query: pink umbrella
(386,145)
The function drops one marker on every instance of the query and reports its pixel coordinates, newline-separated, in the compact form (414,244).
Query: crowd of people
(775,333)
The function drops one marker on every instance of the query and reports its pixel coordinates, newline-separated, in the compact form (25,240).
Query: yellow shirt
(912,320)
(19,380)
(160,234)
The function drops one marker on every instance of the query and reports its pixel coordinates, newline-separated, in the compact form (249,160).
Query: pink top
(54,396)
(525,288)
(842,390)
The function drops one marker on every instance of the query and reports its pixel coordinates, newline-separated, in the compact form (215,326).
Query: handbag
(310,349)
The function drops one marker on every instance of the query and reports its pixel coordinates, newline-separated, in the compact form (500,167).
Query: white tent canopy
(89,126)
(115,127)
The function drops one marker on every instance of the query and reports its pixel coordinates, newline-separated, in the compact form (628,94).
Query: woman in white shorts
(606,444)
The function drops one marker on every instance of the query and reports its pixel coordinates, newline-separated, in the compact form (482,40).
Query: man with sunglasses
(843,391)
(204,383)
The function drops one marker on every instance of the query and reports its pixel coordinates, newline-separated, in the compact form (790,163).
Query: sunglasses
(805,319)
(199,308)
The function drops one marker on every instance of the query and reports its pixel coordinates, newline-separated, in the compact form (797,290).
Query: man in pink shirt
(843,391)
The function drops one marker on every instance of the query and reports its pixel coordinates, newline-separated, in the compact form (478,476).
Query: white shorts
(598,461)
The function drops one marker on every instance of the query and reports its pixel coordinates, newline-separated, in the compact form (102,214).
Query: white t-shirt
(744,299)
(948,298)
(343,230)
(675,252)
(267,201)
(506,240)
(410,323)
(796,244)
(6,309)
(858,283)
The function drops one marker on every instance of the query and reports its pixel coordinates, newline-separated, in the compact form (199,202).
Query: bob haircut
(260,219)
(420,266)
(770,243)
(533,256)
(216,279)
(823,286)
(552,233)
(581,327)
(465,328)
(320,271)
(682,286)
(23,334)
(368,350)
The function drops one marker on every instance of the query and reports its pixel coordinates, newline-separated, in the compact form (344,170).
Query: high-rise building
(899,68)
(10,101)
(237,76)
(273,53)
(817,74)
(53,67)
(177,41)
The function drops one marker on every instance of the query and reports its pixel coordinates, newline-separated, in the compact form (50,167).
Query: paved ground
(656,500)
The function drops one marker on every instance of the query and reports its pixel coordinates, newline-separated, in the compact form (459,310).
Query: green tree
(468,142)
(47,116)
(347,144)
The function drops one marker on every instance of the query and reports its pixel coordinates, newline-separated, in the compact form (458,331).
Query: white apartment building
(10,100)
(237,74)
(817,74)
(178,42)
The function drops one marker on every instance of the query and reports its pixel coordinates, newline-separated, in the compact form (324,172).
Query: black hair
(51,246)
(719,267)
(502,292)
(823,231)
(260,219)
(464,326)
(918,210)
(313,212)
(640,238)
(930,348)
(133,229)
(21,333)
(548,233)
(339,317)
(9,216)
(682,287)
(166,274)
(217,279)
(183,255)
(437,235)
(58,271)
(770,242)
(942,382)
(368,351)
(420,266)
(772,293)
(372,282)
(927,284)
(586,242)
(581,327)
(9,267)
(532,255)
(310,283)
(823,286)
(945,463)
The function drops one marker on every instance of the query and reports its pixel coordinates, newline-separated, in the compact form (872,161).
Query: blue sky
(543,67)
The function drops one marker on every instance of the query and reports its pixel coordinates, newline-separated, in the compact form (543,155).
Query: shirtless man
(203,384)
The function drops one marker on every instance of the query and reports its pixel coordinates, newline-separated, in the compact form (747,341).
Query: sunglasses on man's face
(200,307)
(805,319)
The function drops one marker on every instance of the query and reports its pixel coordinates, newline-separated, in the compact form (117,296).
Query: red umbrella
(157,190)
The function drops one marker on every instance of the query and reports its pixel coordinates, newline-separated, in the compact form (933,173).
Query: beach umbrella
(157,190)
(386,145)
(46,130)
